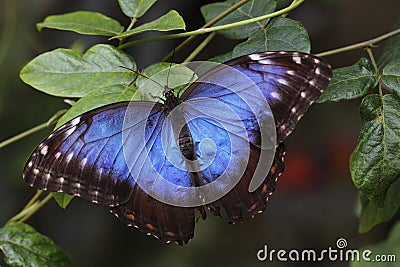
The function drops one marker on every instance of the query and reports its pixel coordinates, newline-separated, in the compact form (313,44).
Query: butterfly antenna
(190,82)
(170,67)
(142,75)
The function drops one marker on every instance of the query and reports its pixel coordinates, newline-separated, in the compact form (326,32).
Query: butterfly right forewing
(290,81)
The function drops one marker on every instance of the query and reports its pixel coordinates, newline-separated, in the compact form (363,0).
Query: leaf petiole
(35,129)
(200,31)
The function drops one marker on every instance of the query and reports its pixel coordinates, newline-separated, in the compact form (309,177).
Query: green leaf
(170,21)
(223,58)
(135,8)
(97,98)
(67,73)
(280,34)
(151,89)
(372,215)
(83,22)
(159,75)
(391,49)
(391,75)
(388,249)
(375,162)
(250,10)
(23,246)
(350,82)
(62,199)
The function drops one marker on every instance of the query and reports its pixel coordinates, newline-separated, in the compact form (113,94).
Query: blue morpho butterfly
(152,169)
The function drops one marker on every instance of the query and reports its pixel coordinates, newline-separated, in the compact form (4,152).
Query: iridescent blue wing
(289,82)
(83,158)
(101,155)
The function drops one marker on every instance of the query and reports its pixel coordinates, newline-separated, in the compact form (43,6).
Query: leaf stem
(33,199)
(294,4)
(31,208)
(133,21)
(37,207)
(373,61)
(9,19)
(363,44)
(208,24)
(372,57)
(200,47)
(35,129)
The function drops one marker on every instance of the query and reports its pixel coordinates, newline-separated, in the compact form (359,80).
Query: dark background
(314,205)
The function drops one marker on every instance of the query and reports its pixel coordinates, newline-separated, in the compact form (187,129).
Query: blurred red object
(302,170)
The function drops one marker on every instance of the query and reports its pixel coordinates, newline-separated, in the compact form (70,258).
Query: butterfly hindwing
(166,222)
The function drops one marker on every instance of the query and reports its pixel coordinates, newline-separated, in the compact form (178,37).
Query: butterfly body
(154,164)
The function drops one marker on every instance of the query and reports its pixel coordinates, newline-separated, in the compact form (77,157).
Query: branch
(294,4)
(364,44)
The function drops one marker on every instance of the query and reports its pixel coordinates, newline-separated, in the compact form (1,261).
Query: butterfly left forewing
(85,156)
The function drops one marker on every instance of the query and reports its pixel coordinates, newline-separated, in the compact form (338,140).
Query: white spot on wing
(303,94)
(69,157)
(297,59)
(312,82)
(265,62)
(48,176)
(317,71)
(77,186)
(30,164)
(290,72)
(275,95)
(76,121)
(83,162)
(96,193)
(293,110)
(35,171)
(70,131)
(57,155)
(44,150)
(282,81)
(61,180)
(255,57)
